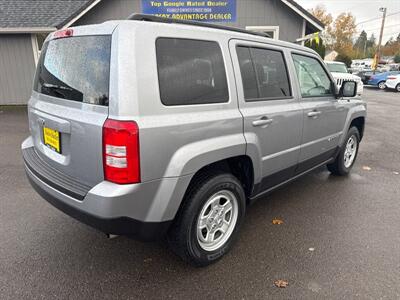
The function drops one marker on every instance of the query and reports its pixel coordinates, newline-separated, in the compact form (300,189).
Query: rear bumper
(390,85)
(146,231)
(143,210)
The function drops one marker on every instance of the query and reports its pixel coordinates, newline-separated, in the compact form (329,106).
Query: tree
(361,45)
(371,41)
(319,48)
(397,58)
(398,38)
(392,46)
(344,59)
(371,46)
(343,32)
(321,14)
(389,42)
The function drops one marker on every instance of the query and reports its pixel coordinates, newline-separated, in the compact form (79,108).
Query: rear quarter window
(76,69)
(190,72)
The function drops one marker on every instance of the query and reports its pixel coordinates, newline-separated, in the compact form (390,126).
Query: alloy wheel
(217,220)
(350,151)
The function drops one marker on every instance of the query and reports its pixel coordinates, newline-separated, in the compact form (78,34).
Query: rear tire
(381,85)
(347,155)
(213,203)
(398,88)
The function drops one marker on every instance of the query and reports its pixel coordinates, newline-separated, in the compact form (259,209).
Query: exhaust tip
(111,236)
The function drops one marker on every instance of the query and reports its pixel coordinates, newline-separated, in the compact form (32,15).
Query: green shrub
(344,59)
(397,58)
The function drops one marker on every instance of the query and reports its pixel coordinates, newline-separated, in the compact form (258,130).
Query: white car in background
(393,82)
(358,65)
(340,73)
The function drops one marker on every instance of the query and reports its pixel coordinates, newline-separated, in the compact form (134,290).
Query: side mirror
(348,89)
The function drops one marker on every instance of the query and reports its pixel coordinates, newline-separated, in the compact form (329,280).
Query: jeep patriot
(152,128)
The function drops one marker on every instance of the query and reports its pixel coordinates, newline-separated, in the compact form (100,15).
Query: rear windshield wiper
(58,87)
(58,90)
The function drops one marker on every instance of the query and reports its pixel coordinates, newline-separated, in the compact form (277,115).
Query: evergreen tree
(371,41)
(360,45)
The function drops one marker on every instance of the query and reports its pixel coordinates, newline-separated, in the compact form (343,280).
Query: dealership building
(24,24)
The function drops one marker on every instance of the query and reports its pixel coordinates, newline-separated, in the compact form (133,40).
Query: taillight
(391,77)
(121,159)
(63,33)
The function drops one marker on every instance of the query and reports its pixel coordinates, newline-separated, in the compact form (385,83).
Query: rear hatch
(69,103)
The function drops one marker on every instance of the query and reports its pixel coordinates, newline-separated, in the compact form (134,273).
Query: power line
(377,18)
(390,34)
(369,29)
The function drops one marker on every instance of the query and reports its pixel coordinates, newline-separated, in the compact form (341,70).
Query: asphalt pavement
(340,237)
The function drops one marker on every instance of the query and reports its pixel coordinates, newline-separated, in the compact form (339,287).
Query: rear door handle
(53,122)
(313,114)
(264,121)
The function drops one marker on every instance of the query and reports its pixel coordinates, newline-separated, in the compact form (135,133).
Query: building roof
(31,16)
(305,14)
(39,15)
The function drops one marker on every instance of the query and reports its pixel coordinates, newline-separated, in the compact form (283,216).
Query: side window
(314,81)
(272,77)
(190,72)
(249,78)
(264,74)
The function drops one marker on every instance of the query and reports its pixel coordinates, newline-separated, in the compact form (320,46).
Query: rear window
(75,68)
(190,72)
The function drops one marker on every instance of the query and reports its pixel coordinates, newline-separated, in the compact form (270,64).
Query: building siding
(17,68)
(270,13)
(249,13)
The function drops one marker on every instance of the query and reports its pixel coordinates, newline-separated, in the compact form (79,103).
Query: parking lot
(340,237)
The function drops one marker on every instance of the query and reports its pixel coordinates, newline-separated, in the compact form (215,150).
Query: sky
(364,11)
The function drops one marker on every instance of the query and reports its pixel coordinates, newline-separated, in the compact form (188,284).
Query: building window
(272,31)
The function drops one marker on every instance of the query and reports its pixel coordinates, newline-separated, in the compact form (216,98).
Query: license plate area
(52,139)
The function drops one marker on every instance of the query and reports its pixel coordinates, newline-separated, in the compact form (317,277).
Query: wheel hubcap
(350,151)
(217,220)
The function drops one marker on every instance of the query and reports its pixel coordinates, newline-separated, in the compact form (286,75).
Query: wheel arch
(356,117)
(240,166)
(359,123)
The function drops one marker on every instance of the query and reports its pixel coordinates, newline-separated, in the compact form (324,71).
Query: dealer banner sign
(207,11)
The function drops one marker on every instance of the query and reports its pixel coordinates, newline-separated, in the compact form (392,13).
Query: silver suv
(150,127)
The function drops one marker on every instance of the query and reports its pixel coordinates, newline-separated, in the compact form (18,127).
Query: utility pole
(378,52)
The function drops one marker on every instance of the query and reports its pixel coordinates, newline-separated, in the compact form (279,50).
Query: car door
(272,114)
(323,114)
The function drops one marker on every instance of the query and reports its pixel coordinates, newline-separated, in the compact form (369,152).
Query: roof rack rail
(151,18)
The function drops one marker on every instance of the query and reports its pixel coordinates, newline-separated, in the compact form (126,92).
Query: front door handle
(264,121)
(314,114)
